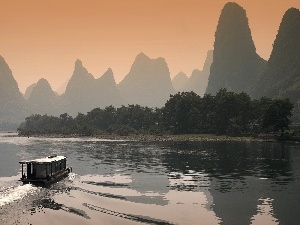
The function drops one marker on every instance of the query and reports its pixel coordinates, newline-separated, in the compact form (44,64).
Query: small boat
(45,171)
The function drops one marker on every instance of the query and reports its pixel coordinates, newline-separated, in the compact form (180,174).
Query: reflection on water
(121,182)
(264,212)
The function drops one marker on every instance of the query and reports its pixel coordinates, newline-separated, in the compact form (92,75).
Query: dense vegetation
(184,113)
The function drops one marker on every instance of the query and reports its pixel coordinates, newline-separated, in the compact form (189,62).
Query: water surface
(127,182)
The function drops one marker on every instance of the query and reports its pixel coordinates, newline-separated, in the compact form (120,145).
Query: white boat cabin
(43,168)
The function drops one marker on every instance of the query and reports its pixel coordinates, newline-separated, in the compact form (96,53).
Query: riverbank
(179,137)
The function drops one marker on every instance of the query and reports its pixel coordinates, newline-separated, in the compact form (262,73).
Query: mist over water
(123,182)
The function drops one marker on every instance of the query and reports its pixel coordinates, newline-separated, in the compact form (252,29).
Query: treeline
(184,113)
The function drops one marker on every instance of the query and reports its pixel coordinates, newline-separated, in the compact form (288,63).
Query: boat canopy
(45,160)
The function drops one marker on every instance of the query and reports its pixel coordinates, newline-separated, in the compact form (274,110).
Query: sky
(43,38)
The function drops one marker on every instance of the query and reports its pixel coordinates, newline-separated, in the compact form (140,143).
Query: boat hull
(43,182)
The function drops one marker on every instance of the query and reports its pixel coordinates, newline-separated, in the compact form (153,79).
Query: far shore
(179,137)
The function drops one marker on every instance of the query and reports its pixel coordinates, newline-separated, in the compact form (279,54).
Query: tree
(207,114)
(232,113)
(67,125)
(277,115)
(180,114)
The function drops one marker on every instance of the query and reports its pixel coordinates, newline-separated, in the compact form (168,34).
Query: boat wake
(138,218)
(12,194)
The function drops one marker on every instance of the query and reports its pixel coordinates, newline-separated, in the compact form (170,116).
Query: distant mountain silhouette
(282,75)
(80,81)
(236,65)
(76,97)
(12,103)
(179,81)
(233,64)
(84,92)
(148,82)
(62,88)
(28,91)
(43,99)
(196,83)
(199,79)
(106,90)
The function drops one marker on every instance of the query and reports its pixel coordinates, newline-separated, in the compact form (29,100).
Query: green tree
(207,114)
(180,113)
(277,115)
(67,125)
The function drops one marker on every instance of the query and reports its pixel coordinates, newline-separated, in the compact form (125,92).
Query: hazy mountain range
(148,82)
(233,64)
(198,80)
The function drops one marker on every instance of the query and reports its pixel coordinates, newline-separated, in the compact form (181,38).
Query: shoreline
(164,138)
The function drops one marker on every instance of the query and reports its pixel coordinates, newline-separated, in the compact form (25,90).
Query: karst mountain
(236,66)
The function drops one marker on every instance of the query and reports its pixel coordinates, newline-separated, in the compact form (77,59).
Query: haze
(44,38)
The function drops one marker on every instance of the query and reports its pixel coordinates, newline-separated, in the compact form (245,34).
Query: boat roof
(48,159)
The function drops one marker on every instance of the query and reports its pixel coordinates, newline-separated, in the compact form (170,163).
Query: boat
(44,171)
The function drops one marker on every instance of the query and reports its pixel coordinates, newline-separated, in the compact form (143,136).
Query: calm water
(122,182)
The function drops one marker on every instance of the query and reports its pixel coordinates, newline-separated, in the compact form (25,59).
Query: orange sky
(41,38)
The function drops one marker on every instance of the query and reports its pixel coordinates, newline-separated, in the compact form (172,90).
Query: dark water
(121,182)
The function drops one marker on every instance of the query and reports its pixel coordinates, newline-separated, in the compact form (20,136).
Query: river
(131,182)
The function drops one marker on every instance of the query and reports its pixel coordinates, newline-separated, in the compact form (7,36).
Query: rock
(29,90)
(179,82)
(12,104)
(282,75)
(43,99)
(199,79)
(148,82)
(236,65)
(84,92)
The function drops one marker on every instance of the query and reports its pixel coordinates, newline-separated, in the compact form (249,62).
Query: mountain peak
(141,57)
(108,78)
(42,97)
(181,74)
(12,106)
(43,82)
(292,10)
(195,71)
(179,81)
(80,80)
(80,72)
(148,82)
(78,63)
(236,65)
(6,73)
(233,17)
(290,19)
(29,90)
(109,72)
(282,75)
(42,86)
(8,83)
(232,6)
